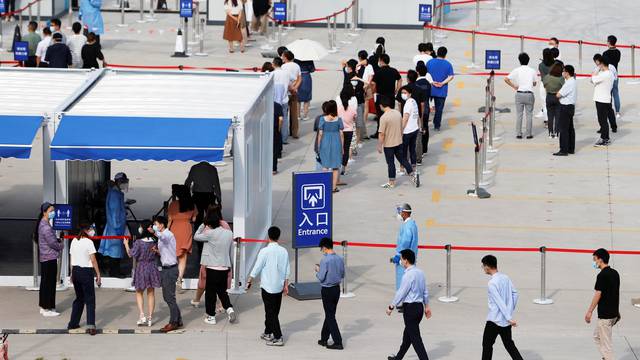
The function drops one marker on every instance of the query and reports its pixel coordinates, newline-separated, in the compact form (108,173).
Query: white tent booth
(171,116)
(30,97)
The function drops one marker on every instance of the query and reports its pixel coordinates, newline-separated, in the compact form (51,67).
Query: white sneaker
(232,315)
(42,311)
(142,321)
(266,337)
(618,116)
(211,320)
(360,146)
(351,161)
(195,304)
(399,172)
(275,342)
(50,313)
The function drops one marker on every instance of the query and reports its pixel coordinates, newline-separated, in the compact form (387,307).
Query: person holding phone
(273,267)
(83,264)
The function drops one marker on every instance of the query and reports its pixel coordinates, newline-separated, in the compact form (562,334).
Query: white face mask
(354,83)
(399,217)
(91,233)
(405,97)
(124,187)
(140,230)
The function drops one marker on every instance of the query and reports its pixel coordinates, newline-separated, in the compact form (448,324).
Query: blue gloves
(396,259)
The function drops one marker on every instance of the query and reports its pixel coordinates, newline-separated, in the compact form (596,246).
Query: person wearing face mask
(113,250)
(353,78)
(503,298)
(410,124)
(407,239)
(554,43)
(83,264)
(166,248)
(56,28)
(413,296)
(146,277)
(330,273)
(387,82)
(49,250)
(607,300)
(602,80)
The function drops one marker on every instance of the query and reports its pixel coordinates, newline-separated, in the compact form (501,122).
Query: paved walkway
(584,201)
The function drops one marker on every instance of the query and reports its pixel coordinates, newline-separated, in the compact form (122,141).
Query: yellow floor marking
(433,224)
(467,54)
(457,102)
(430,222)
(463,70)
(453,122)
(442,168)
(435,196)
(460,85)
(447,144)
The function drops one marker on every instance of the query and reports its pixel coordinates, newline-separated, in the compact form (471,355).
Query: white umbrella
(307,50)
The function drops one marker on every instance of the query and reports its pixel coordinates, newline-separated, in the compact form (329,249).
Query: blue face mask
(52,215)
(155,228)
(595,265)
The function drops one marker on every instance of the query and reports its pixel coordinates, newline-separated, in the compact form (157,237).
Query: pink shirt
(348,116)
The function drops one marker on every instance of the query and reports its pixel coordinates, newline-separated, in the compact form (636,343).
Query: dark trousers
(566,129)
(10,6)
(425,127)
(169,277)
(409,146)
(43,64)
(348,137)
(389,153)
(202,200)
(277,148)
(48,274)
(412,315)
(437,118)
(31,61)
(216,285)
(603,110)
(553,113)
(85,296)
(272,304)
(330,298)
(491,332)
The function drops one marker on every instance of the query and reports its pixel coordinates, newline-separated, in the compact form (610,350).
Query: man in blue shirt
(273,264)
(413,294)
(441,71)
(503,298)
(330,273)
(407,239)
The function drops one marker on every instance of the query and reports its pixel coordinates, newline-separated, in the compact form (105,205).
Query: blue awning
(17,134)
(139,138)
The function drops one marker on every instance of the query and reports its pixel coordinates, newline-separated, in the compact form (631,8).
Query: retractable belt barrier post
(152,13)
(580,54)
(38,12)
(345,291)
(508,19)
(521,44)
(202,27)
(492,114)
(334,32)
(503,15)
(448,298)
(1,37)
(195,23)
(237,287)
(543,300)
(634,80)
(122,23)
(346,27)
(354,18)
(477,14)
(291,9)
(141,20)
(473,64)
(439,15)
(30,14)
(36,264)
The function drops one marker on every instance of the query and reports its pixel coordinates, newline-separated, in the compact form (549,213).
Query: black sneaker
(530,137)
(614,130)
(519,137)
(560,153)
(601,143)
(322,343)
(599,131)
(335,347)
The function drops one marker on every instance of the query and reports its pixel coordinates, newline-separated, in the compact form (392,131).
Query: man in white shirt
(75,44)
(295,79)
(523,79)
(567,95)
(425,53)
(602,80)
(41,50)
(282,78)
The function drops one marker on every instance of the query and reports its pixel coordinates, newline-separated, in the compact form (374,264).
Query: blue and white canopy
(17,134)
(139,138)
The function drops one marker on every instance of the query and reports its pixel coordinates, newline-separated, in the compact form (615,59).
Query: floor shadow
(311,320)
(440,350)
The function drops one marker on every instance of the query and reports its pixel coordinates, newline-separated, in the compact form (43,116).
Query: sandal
(336,190)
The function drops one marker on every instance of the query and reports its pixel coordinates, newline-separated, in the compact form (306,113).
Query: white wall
(372,12)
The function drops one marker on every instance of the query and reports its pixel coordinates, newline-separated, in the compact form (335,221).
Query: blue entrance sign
(2,9)
(64,217)
(186,8)
(492,59)
(21,51)
(312,208)
(280,11)
(424,13)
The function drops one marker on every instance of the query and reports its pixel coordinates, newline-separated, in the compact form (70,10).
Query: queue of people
(54,49)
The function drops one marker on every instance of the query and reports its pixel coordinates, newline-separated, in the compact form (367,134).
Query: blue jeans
(616,96)
(437,118)
(285,122)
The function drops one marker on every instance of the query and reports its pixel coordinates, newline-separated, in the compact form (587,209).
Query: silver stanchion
(202,27)
(440,19)
(236,287)
(508,20)
(477,14)
(634,80)
(30,14)
(332,48)
(269,36)
(122,23)
(20,20)
(503,15)
(291,9)
(63,269)
(195,23)
(152,13)
(543,300)
(346,27)
(354,18)
(580,54)
(70,16)
(38,12)
(492,114)
(280,34)
(141,20)
(36,263)
(473,64)
(186,36)
(485,173)
(1,37)
(477,191)
(334,33)
(448,298)
(345,291)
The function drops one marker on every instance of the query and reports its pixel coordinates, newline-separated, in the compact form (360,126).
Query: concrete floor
(585,201)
